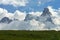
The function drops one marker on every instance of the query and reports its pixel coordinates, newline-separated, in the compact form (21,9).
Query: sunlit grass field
(29,35)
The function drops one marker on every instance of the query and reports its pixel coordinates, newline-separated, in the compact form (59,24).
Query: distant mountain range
(44,21)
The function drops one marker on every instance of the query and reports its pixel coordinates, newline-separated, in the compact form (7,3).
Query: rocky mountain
(30,21)
(45,18)
(5,20)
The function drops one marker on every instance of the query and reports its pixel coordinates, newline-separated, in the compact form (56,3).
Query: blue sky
(15,9)
(32,5)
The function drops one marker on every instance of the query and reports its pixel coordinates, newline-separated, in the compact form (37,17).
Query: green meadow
(29,35)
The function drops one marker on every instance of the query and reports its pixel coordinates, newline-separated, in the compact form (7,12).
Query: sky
(19,9)
(28,5)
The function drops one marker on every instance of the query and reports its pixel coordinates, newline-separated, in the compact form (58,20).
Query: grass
(29,35)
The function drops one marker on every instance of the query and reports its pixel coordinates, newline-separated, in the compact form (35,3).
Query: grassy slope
(29,35)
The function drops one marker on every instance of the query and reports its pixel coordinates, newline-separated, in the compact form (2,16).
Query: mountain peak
(46,15)
(46,12)
(5,20)
(28,17)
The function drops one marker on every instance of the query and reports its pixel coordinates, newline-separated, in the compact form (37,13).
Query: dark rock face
(49,19)
(45,15)
(5,20)
(28,17)
(46,12)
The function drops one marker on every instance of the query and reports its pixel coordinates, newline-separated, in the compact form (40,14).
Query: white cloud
(32,24)
(37,25)
(5,13)
(53,11)
(43,1)
(19,15)
(35,13)
(55,14)
(14,2)
(19,25)
(57,21)
(22,2)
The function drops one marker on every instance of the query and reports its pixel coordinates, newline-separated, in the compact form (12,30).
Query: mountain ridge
(31,22)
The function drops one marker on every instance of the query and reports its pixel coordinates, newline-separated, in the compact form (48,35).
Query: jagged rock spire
(47,15)
(46,12)
(5,20)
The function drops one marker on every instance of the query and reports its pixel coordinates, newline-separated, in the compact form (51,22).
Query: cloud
(57,21)
(37,25)
(14,2)
(19,25)
(23,2)
(43,1)
(35,13)
(53,11)
(19,15)
(32,24)
(55,17)
(22,25)
(5,13)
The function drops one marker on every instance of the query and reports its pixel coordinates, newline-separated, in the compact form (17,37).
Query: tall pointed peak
(46,9)
(46,12)
(28,17)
